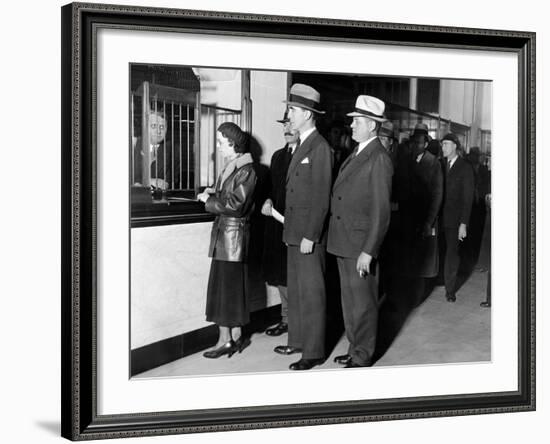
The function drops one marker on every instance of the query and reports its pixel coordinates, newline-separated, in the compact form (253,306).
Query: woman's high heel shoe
(226,349)
(242,343)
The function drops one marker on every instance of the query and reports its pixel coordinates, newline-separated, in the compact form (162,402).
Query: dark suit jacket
(280,162)
(459,194)
(360,204)
(274,251)
(158,165)
(308,184)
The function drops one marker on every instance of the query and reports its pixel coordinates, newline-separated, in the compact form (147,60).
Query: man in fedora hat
(275,251)
(419,202)
(387,137)
(457,206)
(308,184)
(360,215)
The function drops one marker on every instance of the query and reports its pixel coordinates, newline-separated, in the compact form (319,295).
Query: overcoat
(233,204)
(419,208)
(459,194)
(274,253)
(457,207)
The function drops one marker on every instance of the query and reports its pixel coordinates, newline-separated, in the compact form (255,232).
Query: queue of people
(383,213)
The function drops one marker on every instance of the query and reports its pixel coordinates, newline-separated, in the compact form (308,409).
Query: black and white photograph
(291,221)
(275,222)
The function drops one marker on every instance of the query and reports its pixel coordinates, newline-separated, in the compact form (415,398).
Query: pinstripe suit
(307,201)
(360,215)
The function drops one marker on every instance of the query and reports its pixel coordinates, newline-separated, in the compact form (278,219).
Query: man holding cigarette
(457,206)
(359,219)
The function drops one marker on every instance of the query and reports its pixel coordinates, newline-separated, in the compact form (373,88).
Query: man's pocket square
(306,160)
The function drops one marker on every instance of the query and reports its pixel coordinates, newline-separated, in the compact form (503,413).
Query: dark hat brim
(386,133)
(421,132)
(451,138)
(364,113)
(301,105)
(378,119)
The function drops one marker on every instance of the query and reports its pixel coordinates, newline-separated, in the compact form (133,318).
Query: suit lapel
(356,162)
(301,153)
(348,160)
(455,167)
(283,164)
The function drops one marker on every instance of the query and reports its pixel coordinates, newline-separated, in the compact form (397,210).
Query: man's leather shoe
(352,364)
(278,330)
(286,350)
(305,364)
(450,297)
(342,359)
(485,304)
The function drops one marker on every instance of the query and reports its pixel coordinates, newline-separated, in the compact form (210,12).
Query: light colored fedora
(368,106)
(304,96)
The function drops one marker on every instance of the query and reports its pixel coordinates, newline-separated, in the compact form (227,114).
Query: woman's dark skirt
(226,301)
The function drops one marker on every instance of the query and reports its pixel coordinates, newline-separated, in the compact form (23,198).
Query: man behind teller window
(160,155)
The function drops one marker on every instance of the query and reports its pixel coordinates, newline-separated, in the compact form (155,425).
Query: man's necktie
(288,156)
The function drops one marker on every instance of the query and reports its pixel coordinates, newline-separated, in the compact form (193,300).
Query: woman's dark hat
(233,133)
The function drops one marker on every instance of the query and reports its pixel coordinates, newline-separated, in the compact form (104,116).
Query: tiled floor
(435,332)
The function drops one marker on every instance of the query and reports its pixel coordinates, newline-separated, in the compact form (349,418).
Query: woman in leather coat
(232,202)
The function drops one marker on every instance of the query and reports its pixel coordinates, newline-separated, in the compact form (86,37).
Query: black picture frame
(80,420)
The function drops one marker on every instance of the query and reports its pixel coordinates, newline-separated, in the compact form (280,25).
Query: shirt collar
(362,145)
(452,161)
(305,134)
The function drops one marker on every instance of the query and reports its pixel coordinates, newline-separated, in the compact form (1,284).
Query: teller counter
(169,275)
